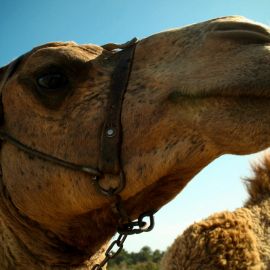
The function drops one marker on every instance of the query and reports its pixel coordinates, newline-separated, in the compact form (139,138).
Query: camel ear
(5,73)
(2,70)
(2,75)
(3,78)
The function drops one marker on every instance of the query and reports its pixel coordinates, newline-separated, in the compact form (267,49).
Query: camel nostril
(228,26)
(242,32)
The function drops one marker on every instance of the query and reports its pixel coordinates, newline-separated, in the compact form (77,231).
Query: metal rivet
(110,132)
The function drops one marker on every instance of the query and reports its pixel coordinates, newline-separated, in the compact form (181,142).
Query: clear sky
(28,23)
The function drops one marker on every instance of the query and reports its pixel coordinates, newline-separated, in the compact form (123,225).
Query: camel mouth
(242,32)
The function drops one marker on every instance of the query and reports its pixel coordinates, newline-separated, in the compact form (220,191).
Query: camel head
(194,94)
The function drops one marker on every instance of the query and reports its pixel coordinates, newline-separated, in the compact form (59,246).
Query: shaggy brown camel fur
(194,94)
(229,240)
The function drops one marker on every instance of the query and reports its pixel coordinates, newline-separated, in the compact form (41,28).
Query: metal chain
(134,227)
(144,223)
(110,254)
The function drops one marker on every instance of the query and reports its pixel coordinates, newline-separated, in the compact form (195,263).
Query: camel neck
(28,244)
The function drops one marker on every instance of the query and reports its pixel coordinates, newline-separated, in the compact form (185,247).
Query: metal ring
(113,191)
(145,226)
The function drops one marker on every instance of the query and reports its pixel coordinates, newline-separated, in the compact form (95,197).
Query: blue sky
(28,23)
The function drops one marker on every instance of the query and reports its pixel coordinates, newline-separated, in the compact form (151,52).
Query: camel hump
(258,185)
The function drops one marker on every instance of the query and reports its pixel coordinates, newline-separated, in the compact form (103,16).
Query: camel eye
(52,82)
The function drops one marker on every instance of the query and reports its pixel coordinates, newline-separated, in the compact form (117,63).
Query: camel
(229,240)
(194,93)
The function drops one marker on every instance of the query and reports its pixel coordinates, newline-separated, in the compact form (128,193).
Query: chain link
(110,254)
(129,228)
(138,226)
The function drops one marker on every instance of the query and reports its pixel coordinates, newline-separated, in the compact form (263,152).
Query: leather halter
(111,144)
(111,138)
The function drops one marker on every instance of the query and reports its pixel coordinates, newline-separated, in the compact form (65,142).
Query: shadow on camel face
(194,94)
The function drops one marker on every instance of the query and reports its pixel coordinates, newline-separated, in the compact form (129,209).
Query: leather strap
(35,153)
(111,138)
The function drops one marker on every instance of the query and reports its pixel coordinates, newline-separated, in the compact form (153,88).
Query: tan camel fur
(229,240)
(194,94)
